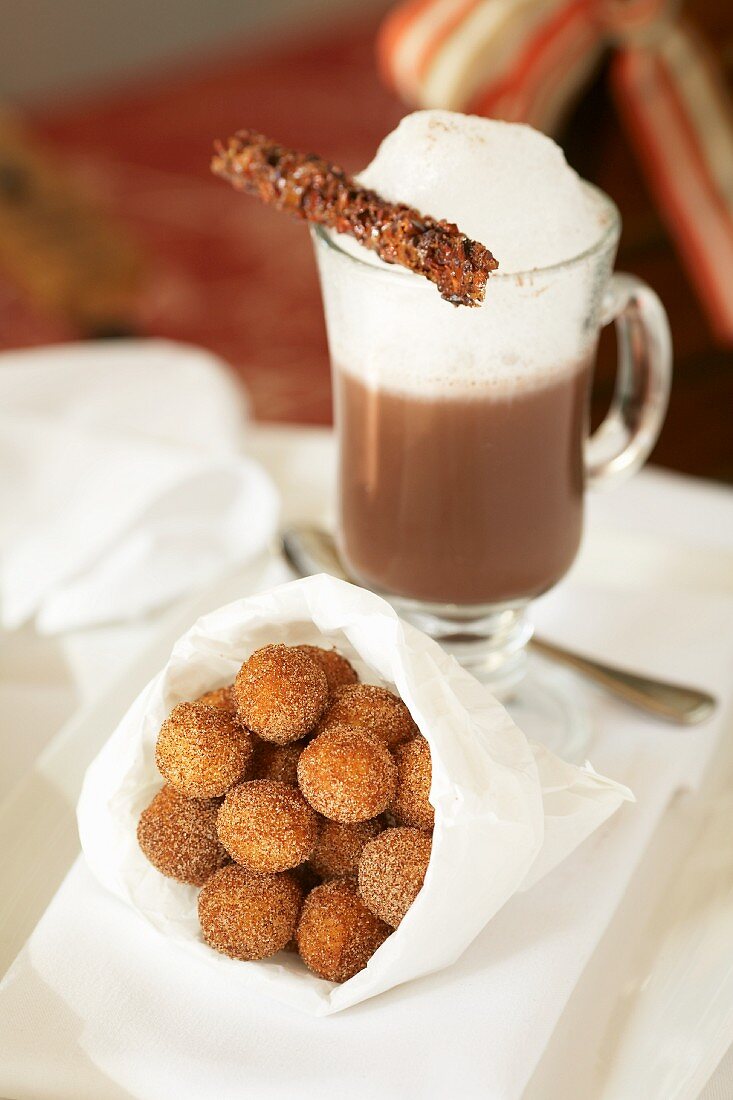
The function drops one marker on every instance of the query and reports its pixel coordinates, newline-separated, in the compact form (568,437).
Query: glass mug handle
(623,442)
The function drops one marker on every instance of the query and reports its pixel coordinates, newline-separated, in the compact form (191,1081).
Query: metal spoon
(312,550)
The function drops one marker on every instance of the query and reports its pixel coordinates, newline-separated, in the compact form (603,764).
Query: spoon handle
(674,702)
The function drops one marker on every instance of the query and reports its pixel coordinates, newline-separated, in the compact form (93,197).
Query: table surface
(227,274)
(75,670)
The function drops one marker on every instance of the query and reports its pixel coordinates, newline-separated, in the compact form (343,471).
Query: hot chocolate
(467,499)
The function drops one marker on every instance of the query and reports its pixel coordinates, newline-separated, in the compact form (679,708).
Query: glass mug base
(489,641)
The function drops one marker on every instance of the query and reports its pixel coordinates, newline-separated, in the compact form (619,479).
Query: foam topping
(503,184)
(511,188)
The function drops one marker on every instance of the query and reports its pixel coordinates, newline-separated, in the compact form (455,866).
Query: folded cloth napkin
(124,482)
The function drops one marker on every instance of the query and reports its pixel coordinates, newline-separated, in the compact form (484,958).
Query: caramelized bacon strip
(309,187)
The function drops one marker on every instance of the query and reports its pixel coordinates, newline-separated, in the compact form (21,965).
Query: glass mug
(463,434)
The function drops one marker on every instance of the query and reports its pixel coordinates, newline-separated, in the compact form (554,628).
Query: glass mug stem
(493,647)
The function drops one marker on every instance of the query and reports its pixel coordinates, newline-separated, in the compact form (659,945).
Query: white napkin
(504,814)
(124,484)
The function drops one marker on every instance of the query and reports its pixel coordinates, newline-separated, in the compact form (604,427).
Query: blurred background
(111,224)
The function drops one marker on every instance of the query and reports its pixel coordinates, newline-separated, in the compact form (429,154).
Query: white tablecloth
(93,1007)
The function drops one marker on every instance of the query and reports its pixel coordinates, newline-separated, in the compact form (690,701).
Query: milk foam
(504,184)
(509,187)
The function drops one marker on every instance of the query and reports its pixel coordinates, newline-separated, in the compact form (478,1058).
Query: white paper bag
(505,812)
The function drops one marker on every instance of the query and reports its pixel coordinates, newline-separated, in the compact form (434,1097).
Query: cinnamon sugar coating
(178,836)
(267,826)
(202,751)
(338,670)
(391,871)
(281,692)
(374,709)
(248,916)
(347,775)
(336,934)
(411,804)
(339,847)
(221,698)
(309,187)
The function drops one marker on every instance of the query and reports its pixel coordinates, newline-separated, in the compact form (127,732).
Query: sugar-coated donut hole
(347,775)
(178,836)
(411,804)
(202,750)
(267,826)
(281,692)
(337,934)
(373,709)
(221,698)
(339,672)
(249,916)
(391,871)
